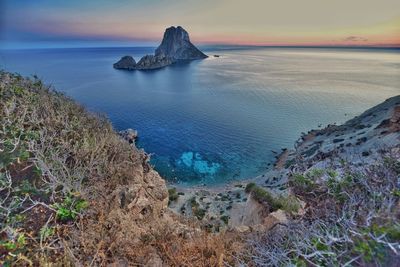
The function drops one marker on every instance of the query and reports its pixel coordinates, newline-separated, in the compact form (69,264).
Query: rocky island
(175,47)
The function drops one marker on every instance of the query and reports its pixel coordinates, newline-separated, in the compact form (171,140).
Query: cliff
(175,46)
(339,185)
(73,192)
(345,181)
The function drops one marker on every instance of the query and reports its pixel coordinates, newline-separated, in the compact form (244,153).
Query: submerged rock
(176,44)
(126,62)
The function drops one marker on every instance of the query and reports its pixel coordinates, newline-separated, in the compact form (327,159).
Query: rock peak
(175,46)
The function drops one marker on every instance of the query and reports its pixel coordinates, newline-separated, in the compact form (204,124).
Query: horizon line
(214,44)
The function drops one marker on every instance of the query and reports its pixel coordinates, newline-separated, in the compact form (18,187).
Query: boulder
(129,135)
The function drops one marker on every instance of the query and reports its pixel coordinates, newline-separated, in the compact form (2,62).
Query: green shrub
(369,249)
(332,173)
(289,163)
(302,182)
(193,202)
(315,174)
(225,219)
(249,187)
(173,195)
(338,187)
(287,203)
(263,196)
(199,213)
(70,208)
(392,231)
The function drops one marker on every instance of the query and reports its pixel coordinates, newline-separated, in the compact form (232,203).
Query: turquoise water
(223,118)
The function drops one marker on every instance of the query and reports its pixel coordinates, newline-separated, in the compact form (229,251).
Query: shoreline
(227,206)
(359,141)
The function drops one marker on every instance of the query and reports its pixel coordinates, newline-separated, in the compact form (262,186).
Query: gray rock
(126,62)
(175,47)
(176,44)
(150,62)
(129,135)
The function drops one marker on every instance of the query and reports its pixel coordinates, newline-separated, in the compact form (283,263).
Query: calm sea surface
(219,119)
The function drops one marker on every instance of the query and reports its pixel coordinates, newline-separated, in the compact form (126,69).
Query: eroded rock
(126,63)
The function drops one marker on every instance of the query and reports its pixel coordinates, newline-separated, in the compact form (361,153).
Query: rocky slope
(352,168)
(346,179)
(175,47)
(74,193)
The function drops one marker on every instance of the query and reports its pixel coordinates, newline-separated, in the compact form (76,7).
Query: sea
(225,118)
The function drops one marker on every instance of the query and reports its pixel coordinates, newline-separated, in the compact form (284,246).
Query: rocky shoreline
(230,206)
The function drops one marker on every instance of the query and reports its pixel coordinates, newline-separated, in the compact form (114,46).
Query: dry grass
(351,219)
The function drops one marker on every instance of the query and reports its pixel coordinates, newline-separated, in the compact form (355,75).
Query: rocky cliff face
(176,44)
(357,140)
(175,47)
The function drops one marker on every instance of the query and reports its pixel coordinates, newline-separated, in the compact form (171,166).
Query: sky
(68,23)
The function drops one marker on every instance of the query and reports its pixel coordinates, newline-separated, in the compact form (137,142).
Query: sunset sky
(36,23)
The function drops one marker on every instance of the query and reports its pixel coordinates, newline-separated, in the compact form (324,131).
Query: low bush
(287,203)
(173,195)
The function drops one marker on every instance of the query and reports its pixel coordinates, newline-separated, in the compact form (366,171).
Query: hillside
(73,192)
(346,178)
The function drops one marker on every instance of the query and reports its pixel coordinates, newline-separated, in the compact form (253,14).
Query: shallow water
(219,119)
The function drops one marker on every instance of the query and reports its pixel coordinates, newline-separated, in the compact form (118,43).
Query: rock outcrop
(126,63)
(174,47)
(176,44)
(357,140)
(150,62)
(129,135)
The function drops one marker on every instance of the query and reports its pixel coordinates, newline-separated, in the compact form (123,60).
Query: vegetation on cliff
(74,192)
(351,219)
(348,177)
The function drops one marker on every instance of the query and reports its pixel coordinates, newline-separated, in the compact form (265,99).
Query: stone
(276,217)
(242,229)
(129,135)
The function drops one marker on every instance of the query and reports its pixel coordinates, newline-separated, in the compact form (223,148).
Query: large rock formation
(150,62)
(126,62)
(175,47)
(176,44)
